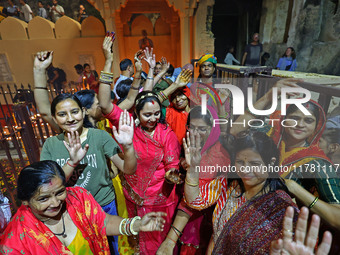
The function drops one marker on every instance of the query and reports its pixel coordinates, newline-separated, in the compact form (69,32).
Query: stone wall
(313,31)
(204,38)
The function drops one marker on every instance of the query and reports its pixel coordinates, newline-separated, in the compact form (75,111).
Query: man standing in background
(42,11)
(57,11)
(252,53)
(26,11)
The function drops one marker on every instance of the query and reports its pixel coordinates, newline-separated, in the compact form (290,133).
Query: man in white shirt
(57,11)
(26,11)
(127,70)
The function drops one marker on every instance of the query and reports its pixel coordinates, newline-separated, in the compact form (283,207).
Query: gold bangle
(191,184)
(106,78)
(313,203)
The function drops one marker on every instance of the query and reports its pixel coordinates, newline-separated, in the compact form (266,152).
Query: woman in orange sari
(54,219)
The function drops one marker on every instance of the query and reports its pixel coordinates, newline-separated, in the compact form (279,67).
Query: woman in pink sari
(157,150)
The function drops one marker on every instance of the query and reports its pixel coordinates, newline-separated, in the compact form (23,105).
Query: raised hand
(192,148)
(183,78)
(107,45)
(153,221)
(124,134)
(43,60)
(149,57)
(138,63)
(74,148)
(223,94)
(303,245)
(139,55)
(289,82)
(165,65)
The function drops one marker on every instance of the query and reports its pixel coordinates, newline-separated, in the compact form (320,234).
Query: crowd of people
(133,158)
(50,10)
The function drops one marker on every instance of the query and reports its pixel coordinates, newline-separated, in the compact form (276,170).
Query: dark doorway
(234,22)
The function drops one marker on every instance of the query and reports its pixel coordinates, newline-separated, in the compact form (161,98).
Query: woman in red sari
(54,219)
(157,150)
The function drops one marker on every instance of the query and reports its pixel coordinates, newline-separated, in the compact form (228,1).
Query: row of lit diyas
(33,118)
(29,91)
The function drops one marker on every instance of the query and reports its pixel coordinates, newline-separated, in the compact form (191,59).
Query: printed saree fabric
(253,226)
(155,156)
(227,199)
(27,235)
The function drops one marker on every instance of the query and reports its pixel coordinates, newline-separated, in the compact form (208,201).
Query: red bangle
(70,164)
(171,239)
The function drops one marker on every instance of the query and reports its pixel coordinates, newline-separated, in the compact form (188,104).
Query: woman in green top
(84,150)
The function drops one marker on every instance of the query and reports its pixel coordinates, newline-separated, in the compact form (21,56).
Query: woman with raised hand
(157,152)
(309,174)
(54,219)
(190,227)
(88,98)
(82,152)
(176,114)
(250,204)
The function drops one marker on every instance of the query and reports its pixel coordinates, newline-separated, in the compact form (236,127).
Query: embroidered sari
(308,165)
(146,190)
(252,228)
(27,235)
